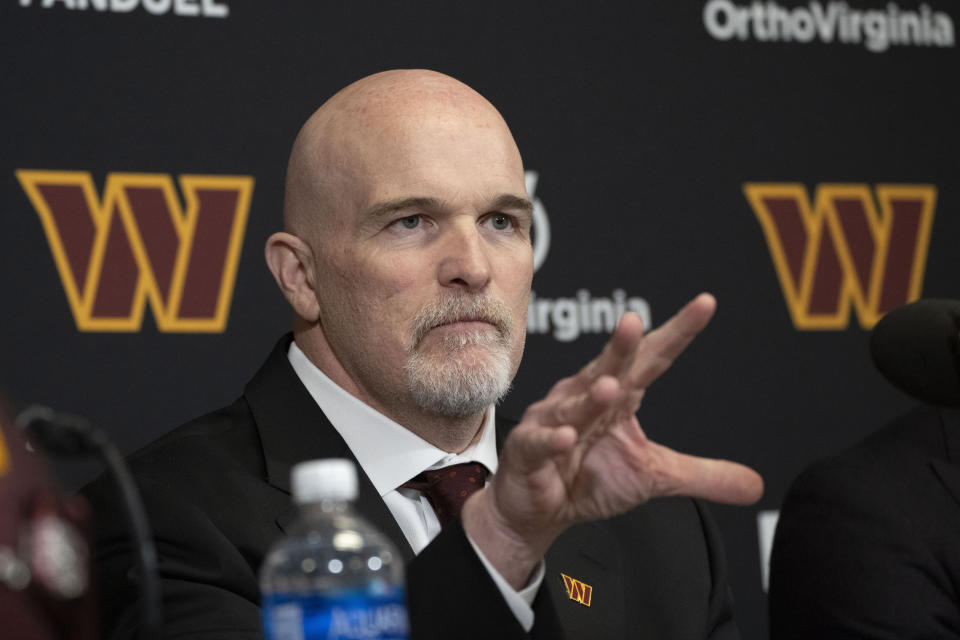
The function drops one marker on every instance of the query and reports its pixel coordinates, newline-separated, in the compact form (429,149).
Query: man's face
(424,270)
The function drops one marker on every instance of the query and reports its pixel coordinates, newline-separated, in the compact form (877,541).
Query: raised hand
(580,454)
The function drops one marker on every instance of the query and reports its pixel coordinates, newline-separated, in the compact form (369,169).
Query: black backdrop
(642,128)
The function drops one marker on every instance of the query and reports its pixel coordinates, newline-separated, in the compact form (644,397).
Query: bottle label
(344,616)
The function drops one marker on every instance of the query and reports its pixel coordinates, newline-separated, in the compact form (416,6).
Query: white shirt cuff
(520,602)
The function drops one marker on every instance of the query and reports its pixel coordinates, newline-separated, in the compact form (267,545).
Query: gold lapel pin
(578,591)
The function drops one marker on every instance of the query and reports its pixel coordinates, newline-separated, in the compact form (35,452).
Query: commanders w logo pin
(137,245)
(577,590)
(852,247)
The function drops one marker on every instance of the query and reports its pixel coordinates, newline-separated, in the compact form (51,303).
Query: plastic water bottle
(334,575)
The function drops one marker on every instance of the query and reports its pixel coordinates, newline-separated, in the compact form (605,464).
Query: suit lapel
(292,429)
(586,582)
(949,470)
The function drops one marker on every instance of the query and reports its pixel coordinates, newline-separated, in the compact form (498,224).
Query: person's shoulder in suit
(221,441)
(203,490)
(862,546)
(224,437)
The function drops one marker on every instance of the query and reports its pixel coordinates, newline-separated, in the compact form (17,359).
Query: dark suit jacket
(868,542)
(217,493)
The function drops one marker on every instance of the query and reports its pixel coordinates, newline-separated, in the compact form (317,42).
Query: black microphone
(59,433)
(71,435)
(917,348)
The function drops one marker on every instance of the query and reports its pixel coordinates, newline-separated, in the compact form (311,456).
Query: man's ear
(290,261)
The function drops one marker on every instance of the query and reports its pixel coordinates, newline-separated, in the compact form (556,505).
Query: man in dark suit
(867,545)
(406,257)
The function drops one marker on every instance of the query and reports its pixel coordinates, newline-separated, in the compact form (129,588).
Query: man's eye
(501,222)
(410,222)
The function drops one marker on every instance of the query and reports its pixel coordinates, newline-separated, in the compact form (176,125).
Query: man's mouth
(463,319)
(465,325)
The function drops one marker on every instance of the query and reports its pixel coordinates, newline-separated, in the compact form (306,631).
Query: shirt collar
(389,453)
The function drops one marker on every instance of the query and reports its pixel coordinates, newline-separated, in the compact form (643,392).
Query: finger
(711,479)
(584,408)
(528,449)
(615,358)
(661,347)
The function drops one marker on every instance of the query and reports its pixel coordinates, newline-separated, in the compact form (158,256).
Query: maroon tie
(448,488)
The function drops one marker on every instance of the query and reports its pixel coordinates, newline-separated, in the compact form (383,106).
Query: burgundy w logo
(847,249)
(138,246)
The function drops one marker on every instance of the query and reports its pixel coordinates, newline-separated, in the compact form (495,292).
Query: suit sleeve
(851,559)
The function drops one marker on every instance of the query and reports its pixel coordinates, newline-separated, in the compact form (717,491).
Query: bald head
(378,119)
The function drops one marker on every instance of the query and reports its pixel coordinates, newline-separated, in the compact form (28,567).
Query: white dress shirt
(390,455)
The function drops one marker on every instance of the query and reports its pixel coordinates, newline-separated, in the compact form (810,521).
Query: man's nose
(465,262)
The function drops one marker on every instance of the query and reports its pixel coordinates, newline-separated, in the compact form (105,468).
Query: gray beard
(465,373)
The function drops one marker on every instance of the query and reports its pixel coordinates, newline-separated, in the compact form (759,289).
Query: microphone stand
(68,435)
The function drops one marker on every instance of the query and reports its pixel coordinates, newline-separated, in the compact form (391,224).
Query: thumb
(720,481)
